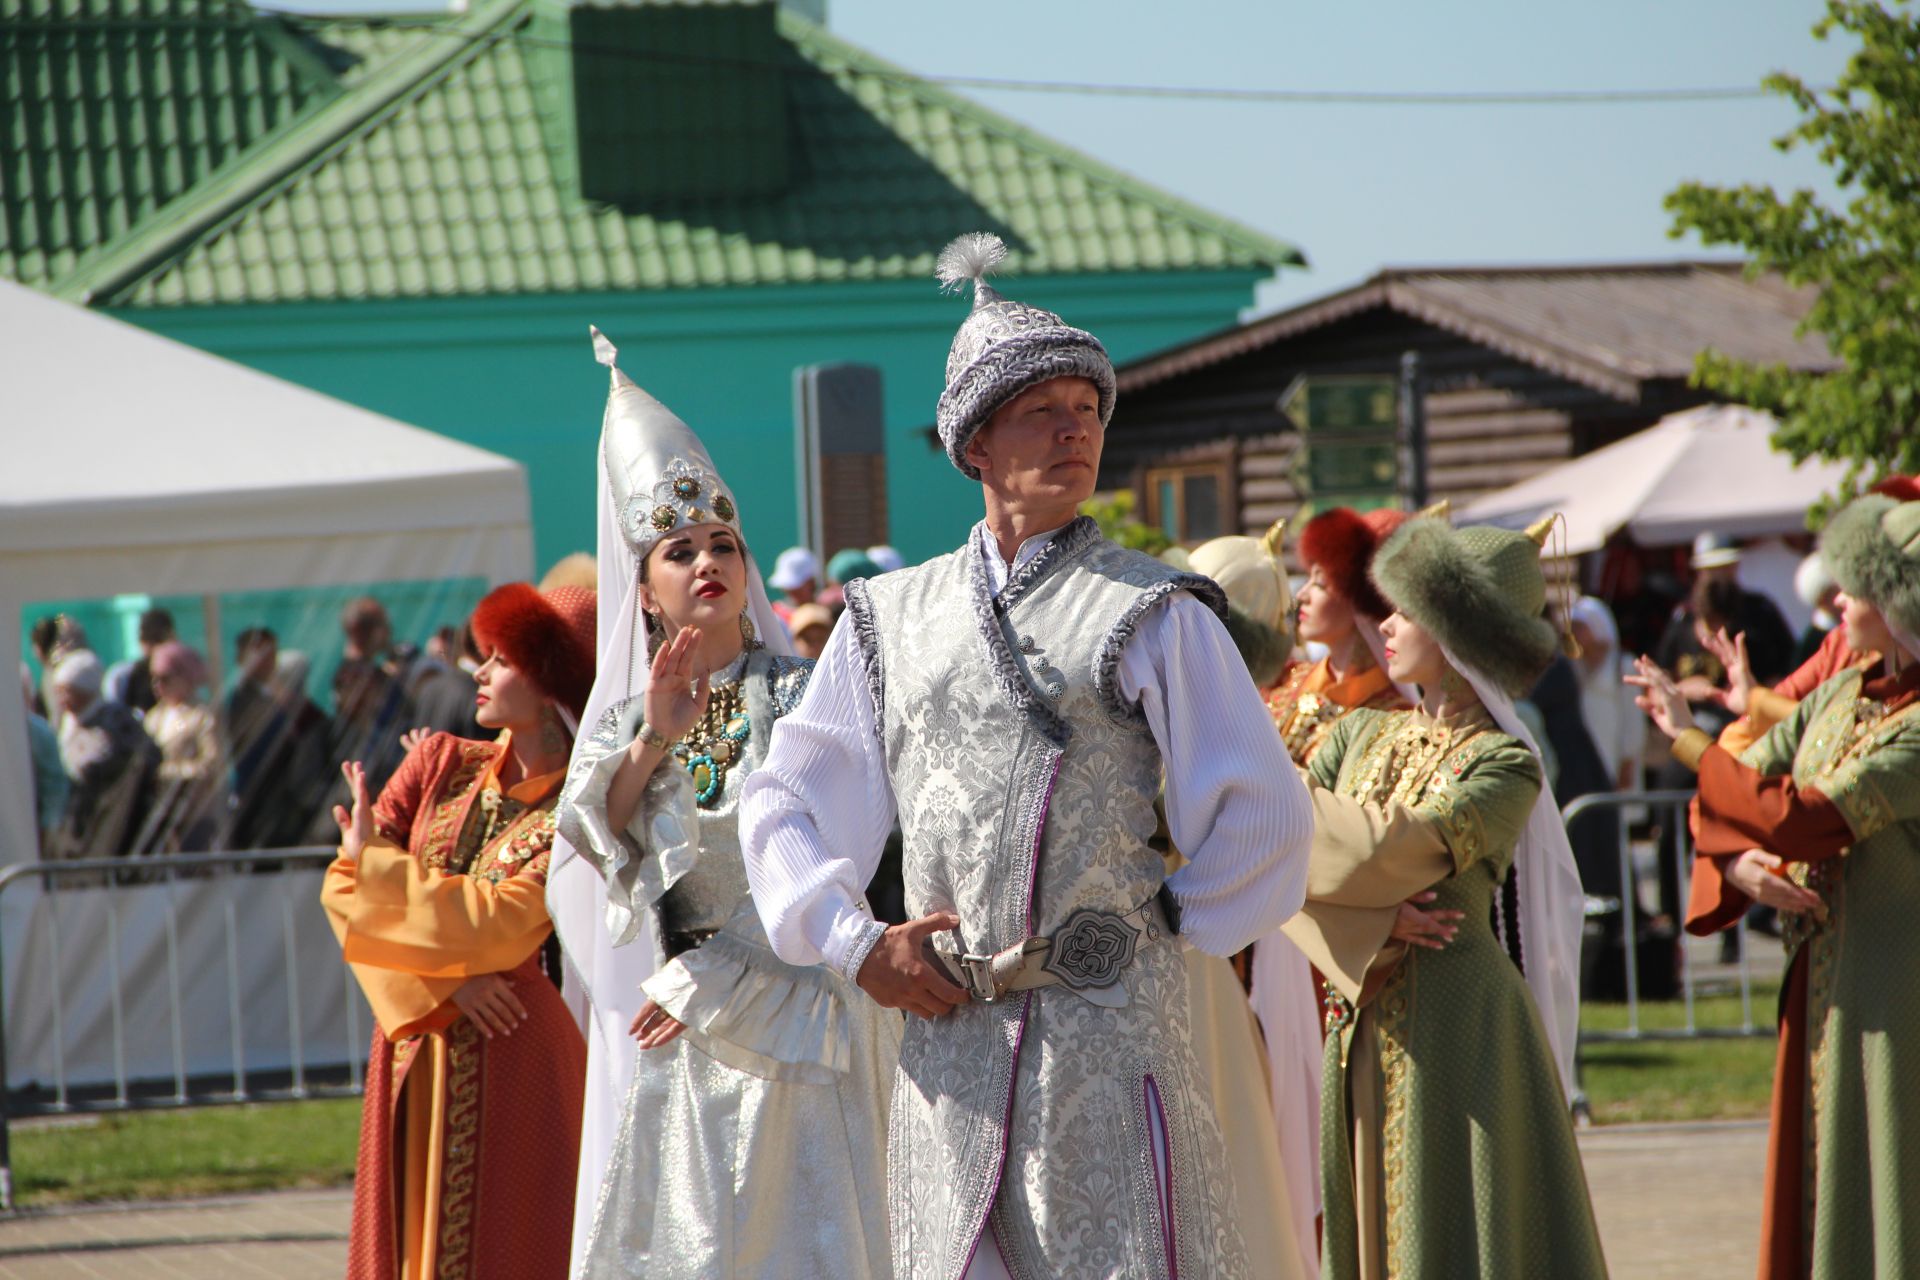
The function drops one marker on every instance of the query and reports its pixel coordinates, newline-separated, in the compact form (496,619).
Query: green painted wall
(516,375)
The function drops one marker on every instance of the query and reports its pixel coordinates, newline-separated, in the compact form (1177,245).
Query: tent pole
(216,660)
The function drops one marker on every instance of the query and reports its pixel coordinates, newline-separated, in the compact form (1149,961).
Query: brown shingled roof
(1610,327)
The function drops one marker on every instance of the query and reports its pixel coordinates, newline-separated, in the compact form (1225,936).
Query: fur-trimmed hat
(1250,571)
(1479,591)
(1873,550)
(1004,347)
(550,636)
(1342,542)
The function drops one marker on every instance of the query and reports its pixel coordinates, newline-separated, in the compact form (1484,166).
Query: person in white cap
(886,557)
(796,575)
(1015,702)
(109,757)
(752,1140)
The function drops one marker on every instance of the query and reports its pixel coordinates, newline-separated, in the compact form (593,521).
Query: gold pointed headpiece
(1271,540)
(1441,510)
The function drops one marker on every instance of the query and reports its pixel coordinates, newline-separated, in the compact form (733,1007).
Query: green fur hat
(1872,548)
(1479,591)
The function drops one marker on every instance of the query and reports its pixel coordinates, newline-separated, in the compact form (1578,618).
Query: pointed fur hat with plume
(1004,347)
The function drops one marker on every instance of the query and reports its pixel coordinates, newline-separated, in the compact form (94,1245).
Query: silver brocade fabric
(1026,792)
(755,1144)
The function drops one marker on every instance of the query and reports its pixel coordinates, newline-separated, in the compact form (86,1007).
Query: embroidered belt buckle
(1091,948)
(1087,953)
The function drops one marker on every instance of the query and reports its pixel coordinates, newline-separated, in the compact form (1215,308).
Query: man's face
(1042,448)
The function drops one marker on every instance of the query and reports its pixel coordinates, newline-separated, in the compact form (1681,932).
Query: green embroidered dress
(1446,1147)
(1847,1076)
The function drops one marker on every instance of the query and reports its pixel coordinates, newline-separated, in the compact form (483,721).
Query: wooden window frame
(1220,469)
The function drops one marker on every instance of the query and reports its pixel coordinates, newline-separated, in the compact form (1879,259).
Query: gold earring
(748,635)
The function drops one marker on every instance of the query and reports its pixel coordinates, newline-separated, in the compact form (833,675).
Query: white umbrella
(1710,468)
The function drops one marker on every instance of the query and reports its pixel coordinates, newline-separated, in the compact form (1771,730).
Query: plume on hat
(972,256)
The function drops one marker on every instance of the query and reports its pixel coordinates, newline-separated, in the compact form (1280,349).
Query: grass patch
(151,1155)
(1642,1081)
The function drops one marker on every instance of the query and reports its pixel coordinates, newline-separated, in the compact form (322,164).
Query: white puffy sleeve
(1235,804)
(814,818)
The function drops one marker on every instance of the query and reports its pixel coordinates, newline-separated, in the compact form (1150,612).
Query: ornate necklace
(1403,761)
(712,746)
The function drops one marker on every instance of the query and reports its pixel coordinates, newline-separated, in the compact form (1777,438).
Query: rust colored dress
(468,1145)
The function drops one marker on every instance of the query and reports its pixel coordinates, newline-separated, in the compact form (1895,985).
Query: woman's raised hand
(676,695)
(1732,653)
(1660,697)
(356,828)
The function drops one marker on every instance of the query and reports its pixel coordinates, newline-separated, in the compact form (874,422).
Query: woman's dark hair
(1717,603)
(45,631)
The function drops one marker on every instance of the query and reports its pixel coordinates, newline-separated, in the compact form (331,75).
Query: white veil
(1552,903)
(601,982)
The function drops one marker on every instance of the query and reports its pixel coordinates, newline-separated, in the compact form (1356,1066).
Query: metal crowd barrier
(118,876)
(1669,810)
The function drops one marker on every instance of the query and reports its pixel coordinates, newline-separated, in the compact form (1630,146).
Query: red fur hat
(1899,488)
(550,636)
(1341,542)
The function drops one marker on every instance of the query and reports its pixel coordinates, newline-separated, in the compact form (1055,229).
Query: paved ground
(1679,1201)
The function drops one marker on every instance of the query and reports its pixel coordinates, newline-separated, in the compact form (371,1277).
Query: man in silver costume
(1016,703)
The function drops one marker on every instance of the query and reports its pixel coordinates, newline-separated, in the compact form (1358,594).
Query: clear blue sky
(1363,186)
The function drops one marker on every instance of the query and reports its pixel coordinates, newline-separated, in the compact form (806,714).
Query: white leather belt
(1088,953)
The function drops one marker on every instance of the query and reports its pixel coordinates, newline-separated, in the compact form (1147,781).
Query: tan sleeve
(403,1003)
(411,919)
(1350,946)
(1368,856)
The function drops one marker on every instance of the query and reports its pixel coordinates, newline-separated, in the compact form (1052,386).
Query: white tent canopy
(1709,468)
(138,464)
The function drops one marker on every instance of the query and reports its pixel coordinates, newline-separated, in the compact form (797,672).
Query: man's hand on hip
(898,975)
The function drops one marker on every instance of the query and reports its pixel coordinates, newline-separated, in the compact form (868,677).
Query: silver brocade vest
(1025,792)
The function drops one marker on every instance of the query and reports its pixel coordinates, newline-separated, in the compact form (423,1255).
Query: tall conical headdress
(1004,347)
(661,476)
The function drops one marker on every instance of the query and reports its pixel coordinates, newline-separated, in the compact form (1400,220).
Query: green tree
(1864,257)
(1113,512)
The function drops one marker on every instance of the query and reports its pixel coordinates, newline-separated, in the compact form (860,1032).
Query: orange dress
(1309,701)
(468,1145)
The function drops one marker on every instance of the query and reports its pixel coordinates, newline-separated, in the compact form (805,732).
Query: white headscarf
(1551,900)
(643,446)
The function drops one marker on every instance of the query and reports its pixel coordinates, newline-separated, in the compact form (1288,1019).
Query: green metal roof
(437,156)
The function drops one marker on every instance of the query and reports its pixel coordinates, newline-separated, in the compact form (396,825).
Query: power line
(1188,93)
(1362,97)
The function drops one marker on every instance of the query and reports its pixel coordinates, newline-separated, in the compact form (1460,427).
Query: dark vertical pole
(1413,429)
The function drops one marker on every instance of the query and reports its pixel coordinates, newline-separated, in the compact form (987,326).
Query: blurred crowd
(811,599)
(1720,635)
(141,758)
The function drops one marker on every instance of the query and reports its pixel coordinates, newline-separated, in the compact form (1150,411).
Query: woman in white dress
(753,1137)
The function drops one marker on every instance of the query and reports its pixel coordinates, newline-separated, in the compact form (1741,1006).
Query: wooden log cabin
(1519,369)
